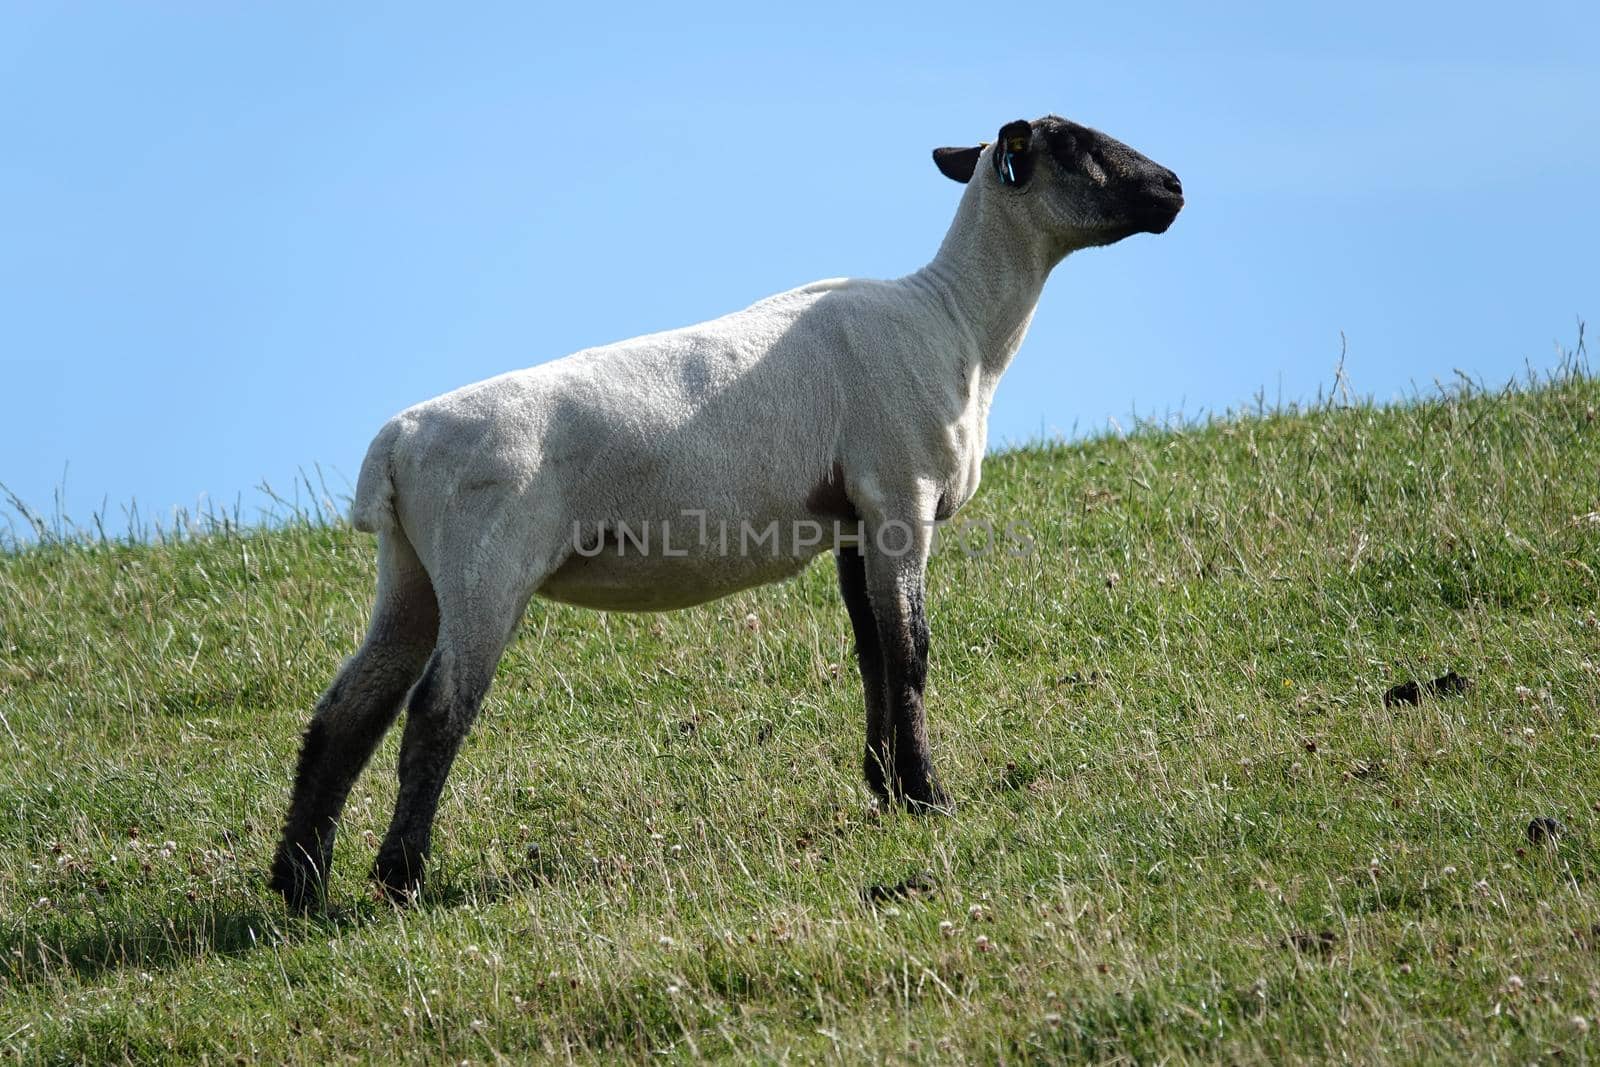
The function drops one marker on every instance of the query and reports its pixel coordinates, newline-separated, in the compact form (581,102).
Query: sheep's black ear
(1013,153)
(957,164)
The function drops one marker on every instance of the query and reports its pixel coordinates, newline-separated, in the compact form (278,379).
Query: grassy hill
(1190,827)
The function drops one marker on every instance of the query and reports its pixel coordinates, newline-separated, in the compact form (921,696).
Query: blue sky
(234,239)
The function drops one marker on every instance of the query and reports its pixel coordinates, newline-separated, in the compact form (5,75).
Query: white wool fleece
(730,424)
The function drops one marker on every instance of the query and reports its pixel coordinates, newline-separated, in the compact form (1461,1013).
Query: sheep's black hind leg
(351,718)
(495,565)
(869,659)
(477,620)
(442,710)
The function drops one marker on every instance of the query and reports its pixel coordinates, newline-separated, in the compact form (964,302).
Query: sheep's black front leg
(896,592)
(869,659)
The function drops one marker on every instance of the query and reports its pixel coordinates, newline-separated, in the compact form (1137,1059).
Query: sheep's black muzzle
(1160,202)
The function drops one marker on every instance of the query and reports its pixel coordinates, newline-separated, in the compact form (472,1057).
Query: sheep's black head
(1084,187)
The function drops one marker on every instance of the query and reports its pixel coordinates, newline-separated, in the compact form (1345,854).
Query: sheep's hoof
(930,800)
(397,876)
(876,780)
(925,797)
(298,882)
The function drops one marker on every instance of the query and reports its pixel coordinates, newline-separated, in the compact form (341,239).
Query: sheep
(846,415)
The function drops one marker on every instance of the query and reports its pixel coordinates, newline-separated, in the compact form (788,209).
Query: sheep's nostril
(1172,185)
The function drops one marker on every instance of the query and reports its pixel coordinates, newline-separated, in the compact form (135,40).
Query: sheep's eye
(1094,165)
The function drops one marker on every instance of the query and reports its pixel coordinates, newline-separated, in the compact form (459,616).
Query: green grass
(1189,830)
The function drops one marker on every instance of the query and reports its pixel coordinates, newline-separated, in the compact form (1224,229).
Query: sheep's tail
(373,507)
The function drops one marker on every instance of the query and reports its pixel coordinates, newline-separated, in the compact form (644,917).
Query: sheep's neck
(987,275)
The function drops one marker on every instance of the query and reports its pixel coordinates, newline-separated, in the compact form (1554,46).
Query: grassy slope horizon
(1189,828)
